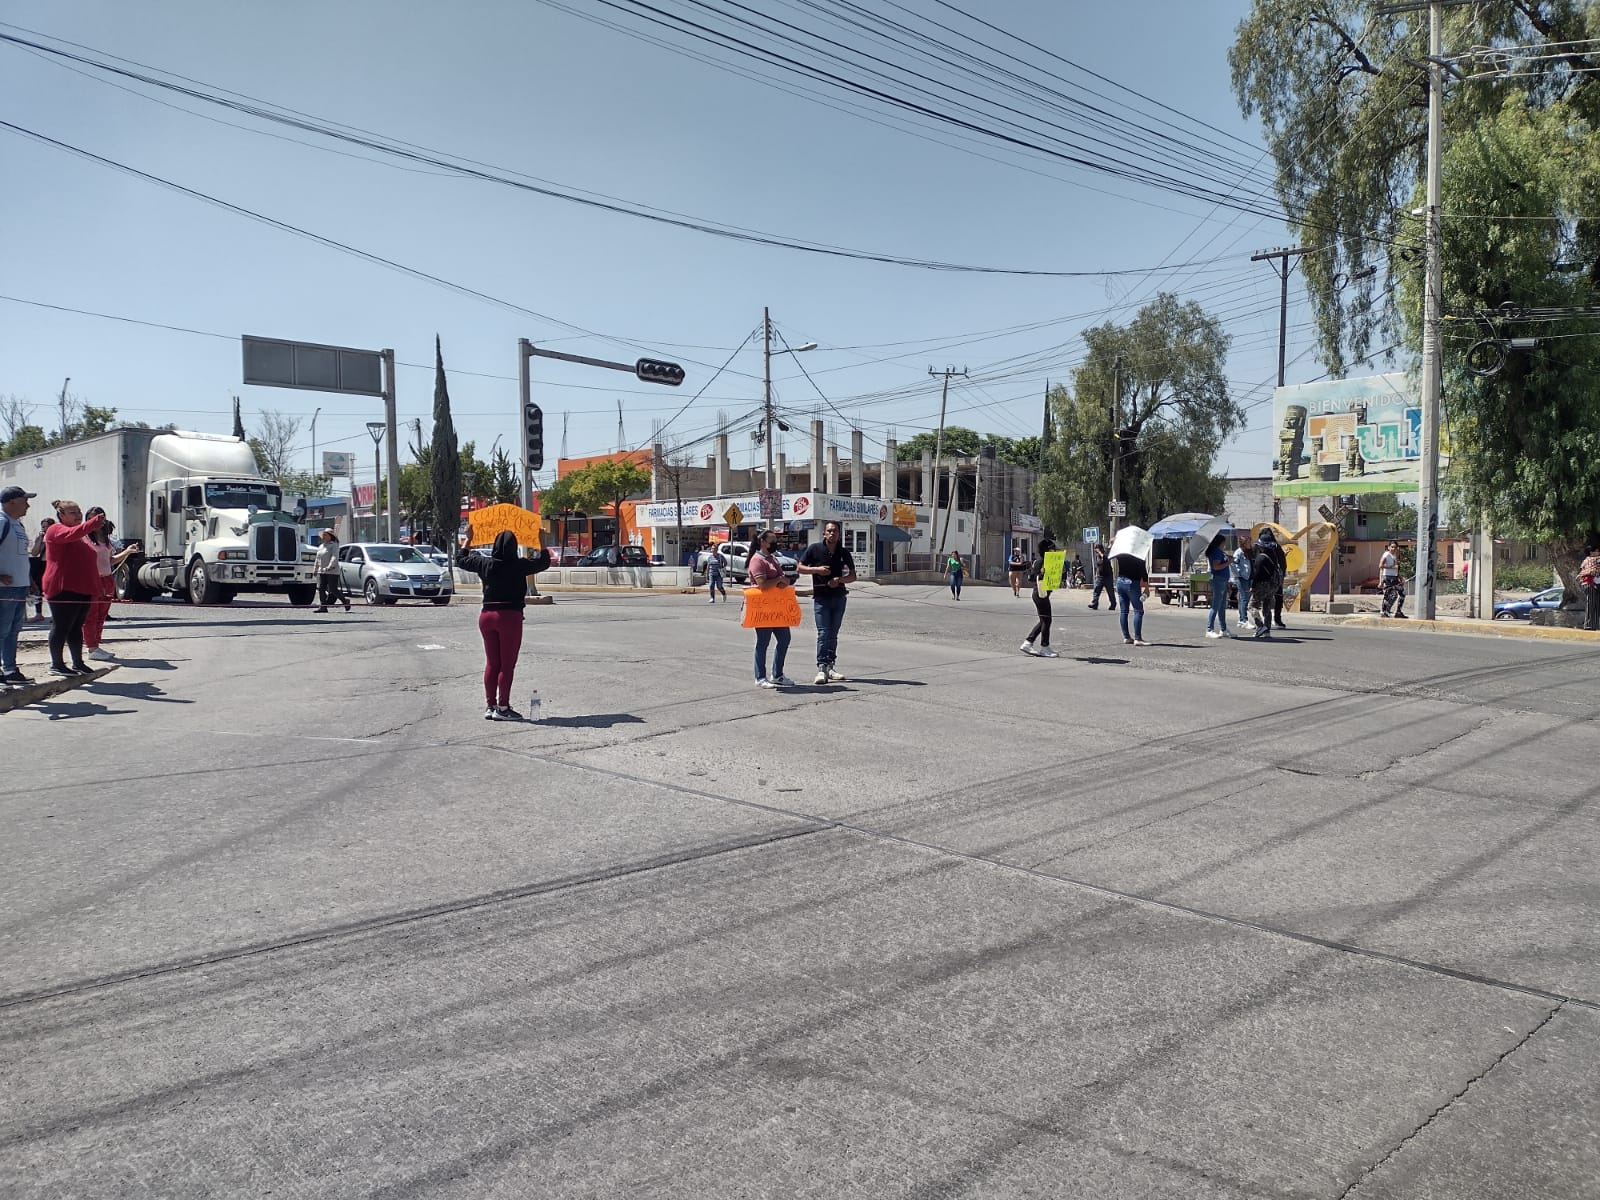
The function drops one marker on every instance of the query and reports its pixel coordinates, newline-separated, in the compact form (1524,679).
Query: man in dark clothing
(831,569)
(1266,582)
(1105,579)
(1269,542)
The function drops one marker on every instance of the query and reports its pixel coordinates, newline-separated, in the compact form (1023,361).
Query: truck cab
(215,530)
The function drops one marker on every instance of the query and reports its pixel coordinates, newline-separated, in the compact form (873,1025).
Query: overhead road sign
(270,362)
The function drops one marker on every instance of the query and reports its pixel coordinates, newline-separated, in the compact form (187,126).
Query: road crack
(1445,1107)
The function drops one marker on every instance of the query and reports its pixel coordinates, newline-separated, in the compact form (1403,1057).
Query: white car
(736,556)
(383,573)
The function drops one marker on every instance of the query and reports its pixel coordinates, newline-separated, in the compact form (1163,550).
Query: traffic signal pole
(524,401)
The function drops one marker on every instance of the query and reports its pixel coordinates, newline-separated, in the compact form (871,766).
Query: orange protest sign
(771,609)
(486,523)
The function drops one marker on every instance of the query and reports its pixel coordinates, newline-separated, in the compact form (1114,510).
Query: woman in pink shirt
(71,576)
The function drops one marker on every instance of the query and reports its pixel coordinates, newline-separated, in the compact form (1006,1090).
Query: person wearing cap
(13,580)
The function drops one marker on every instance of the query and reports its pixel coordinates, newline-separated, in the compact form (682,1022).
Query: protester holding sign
(770,598)
(831,569)
(505,592)
(1045,570)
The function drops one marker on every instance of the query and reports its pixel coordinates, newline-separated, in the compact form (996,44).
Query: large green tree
(1172,413)
(444,467)
(962,442)
(597,488)
(1342,94)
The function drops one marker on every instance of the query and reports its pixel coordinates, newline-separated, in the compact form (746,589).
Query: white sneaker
(1245,625)
(783,681)
(834,676)
(822,678)
(101,654)
(766,683)
(1046,652)
(491,713)
(1027,648)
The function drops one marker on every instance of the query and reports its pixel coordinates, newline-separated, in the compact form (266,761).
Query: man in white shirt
(1394,587)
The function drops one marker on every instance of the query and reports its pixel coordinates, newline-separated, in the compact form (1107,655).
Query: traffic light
(653,370)
(534,419)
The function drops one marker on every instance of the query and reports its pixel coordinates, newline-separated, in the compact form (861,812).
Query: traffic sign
(1091,534)
(1117,508)
(733,515)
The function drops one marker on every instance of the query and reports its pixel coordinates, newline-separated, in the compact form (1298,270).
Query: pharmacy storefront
(799,520)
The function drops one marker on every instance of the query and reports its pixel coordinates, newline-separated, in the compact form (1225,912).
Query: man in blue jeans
(13,580)
(832,570)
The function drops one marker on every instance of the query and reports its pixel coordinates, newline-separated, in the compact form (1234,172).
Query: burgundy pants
(95,623)
(502,642)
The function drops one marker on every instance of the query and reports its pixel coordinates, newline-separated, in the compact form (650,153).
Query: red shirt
(70,564)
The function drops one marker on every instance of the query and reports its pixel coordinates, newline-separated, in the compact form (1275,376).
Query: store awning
(1186,525)
(893,533)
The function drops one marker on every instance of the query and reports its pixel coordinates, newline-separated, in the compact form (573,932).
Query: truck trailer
(208,523)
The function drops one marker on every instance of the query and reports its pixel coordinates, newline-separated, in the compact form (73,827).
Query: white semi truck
(210,526)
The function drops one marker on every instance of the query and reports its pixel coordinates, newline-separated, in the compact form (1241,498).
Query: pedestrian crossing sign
(733,515)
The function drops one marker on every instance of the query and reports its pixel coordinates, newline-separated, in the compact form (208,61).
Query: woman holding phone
(106,564)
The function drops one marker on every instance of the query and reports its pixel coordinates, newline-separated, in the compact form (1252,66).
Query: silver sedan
(384,573)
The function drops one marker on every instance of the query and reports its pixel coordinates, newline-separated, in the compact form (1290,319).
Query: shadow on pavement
(1101,662)
(146,664)
(55,711)
(891,682)
(593,721)
(135,691)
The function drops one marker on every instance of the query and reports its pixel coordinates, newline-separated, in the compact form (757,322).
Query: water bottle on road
(535,712)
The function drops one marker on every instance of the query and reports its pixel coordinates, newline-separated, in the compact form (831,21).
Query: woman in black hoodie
(505,591)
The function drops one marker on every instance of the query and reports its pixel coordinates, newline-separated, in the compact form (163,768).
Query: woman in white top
(107,562)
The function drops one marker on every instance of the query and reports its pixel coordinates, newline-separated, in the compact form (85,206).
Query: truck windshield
(395,554)
(243,495)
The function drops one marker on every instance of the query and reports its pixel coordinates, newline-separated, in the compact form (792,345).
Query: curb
(18,697)
(1501,629)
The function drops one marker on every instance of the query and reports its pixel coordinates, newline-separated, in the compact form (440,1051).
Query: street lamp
(314,416)
(766,358)
(376,429)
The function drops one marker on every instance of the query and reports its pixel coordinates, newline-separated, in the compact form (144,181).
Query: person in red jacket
(71,580)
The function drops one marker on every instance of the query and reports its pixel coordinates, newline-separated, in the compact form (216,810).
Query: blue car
(1522,610)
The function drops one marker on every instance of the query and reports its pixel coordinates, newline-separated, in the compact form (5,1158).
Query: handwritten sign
(771,608)
(487,523)
(1054,563)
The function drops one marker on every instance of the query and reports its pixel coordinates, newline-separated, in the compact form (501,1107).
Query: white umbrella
(1132,540)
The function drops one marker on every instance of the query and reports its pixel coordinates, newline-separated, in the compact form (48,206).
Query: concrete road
(284,916)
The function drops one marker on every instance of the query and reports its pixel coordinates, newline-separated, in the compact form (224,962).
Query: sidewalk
(33,660)
(1453,625)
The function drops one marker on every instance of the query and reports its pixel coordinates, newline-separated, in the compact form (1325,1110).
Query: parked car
(737,554)
(383,573)
(1522,610)
(615,556)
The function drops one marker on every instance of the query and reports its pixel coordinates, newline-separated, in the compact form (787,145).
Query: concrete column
(927,478)
(720,475)
(889,484)
(781,481)
(858,468)
(833,471)
(816,455)
(656,455)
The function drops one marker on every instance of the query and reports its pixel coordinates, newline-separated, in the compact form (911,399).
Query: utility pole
(766,388)
(391,439)
(1116,444)
(1428,484)
(938,452)
(63,425)
(1282,269)
(622,441)
(315,467)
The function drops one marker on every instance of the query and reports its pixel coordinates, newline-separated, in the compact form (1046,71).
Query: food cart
(1177,543)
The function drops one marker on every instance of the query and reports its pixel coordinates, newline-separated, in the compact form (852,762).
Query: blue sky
(535,90)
